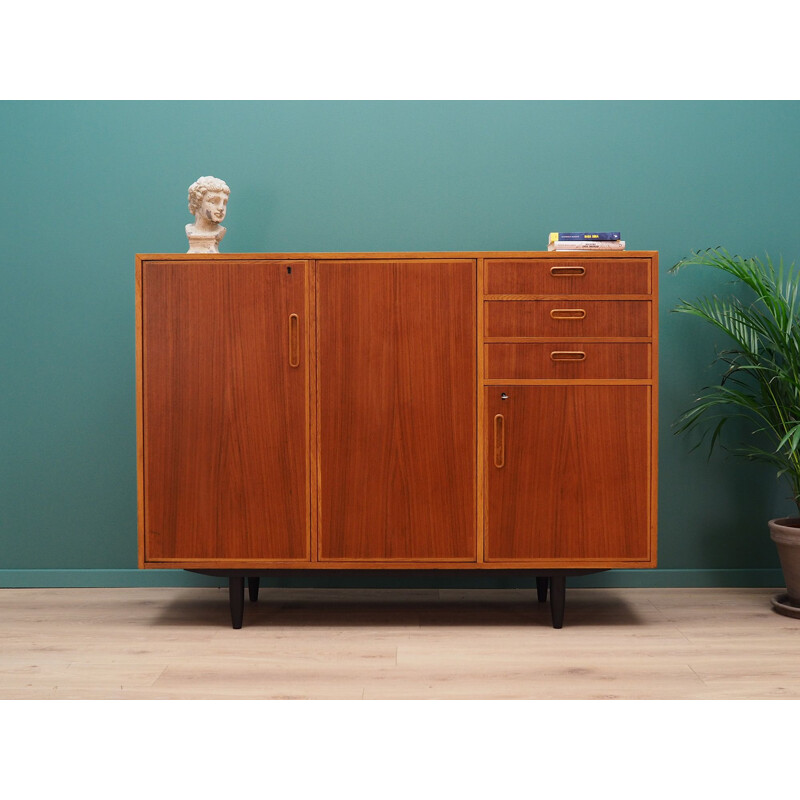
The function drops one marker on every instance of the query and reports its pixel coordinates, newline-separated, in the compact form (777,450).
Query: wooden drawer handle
(567,313)
(567,272)
(294,340)
(568,355)
(499,441)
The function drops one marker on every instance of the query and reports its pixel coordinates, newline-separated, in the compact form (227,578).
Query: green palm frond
(760,378)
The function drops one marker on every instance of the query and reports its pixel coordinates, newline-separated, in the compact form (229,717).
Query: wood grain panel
(567,318)
(396,390)
(402,336)
(225,415)
(575,480)
(568,360)
(568,275)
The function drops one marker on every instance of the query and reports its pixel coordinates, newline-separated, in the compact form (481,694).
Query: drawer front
(567,318)
(568,360)
(568,276)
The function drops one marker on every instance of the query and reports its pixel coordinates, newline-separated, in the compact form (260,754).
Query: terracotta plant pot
(786,535)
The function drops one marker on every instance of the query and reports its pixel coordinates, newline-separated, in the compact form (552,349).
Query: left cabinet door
(224,411)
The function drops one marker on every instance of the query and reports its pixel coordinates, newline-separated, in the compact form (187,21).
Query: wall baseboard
(454,579)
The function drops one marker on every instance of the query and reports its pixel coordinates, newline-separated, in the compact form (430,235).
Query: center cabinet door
(397,419)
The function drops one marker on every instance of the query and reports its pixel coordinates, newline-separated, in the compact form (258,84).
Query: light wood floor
(370,644)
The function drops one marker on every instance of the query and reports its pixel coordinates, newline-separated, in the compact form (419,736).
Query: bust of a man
(208,201)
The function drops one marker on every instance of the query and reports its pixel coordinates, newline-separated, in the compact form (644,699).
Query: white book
(617,245)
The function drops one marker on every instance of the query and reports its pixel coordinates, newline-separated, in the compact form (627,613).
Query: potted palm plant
(760,381)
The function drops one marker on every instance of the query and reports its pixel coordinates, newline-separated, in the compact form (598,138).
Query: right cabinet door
(568,473)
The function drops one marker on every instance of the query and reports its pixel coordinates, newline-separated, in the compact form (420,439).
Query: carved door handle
(499,441)
(294,340)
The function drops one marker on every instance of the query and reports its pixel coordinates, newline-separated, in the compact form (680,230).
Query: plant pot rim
(785,522)
(785,530)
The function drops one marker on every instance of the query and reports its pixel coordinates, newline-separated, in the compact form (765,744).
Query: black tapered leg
(253,582)
(541,588)
(236,590)
(558,593)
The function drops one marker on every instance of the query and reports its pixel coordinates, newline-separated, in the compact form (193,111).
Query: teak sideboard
(403,411)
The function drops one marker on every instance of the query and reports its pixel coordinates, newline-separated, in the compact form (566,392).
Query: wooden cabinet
(397,411)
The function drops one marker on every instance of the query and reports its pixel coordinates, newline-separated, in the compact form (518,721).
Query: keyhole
(504,396)
(289,270)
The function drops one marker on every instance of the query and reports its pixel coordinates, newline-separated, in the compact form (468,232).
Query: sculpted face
(213,207)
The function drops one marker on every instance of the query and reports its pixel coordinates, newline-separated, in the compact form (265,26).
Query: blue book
(603,236)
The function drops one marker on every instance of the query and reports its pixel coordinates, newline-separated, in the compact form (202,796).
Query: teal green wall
(86,185)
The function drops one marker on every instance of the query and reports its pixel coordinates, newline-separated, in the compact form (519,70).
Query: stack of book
(605,240)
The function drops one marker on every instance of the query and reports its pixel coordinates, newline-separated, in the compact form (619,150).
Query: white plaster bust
(208,201)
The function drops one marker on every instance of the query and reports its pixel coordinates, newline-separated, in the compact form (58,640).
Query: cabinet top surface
(470,254)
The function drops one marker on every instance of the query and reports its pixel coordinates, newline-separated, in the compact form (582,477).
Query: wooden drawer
(568,276)
(567,318)
(568,360)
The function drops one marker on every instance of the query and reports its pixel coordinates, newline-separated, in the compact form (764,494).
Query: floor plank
(177,643)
